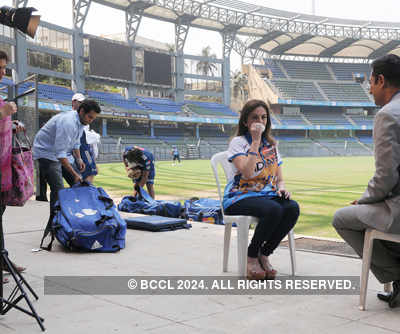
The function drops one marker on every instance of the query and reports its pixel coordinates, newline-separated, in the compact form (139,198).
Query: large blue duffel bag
(206,210)
(85,218)
(145,204)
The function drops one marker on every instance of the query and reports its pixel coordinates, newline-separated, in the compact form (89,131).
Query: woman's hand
(8,109)
(283,193)
(256,130)
(18,126)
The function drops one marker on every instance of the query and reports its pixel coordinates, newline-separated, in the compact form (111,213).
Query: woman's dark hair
(88,106)
(244,115)
(389,67)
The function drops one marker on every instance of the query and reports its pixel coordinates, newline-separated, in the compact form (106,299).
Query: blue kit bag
(145,204)
(206,210)
(85,218)
(154,223)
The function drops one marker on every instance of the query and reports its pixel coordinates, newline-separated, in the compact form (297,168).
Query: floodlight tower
(80,10)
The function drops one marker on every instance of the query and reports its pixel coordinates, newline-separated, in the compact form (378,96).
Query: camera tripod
(18,293)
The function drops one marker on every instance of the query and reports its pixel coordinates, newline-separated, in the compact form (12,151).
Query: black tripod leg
(2,208)
(13,303)
(21,278)
(1,285)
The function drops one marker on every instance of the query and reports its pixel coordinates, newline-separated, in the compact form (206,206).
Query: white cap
(78,96)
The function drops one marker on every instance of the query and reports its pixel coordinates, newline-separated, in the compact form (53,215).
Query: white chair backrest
(222,158)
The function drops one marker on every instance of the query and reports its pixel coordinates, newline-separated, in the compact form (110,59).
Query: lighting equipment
(20,18)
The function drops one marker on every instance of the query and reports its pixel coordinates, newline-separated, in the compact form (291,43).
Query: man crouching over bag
(59,136)
(139,164)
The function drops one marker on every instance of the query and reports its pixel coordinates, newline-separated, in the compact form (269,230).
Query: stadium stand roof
(276,32)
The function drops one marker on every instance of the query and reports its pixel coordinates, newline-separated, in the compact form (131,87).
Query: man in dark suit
(379,206)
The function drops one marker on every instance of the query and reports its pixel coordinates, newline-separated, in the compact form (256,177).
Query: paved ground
(195,252)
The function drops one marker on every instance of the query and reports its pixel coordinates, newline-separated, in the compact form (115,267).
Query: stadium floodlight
(20,18)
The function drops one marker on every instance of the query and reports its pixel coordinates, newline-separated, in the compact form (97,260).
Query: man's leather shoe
(394,300)
(384,296)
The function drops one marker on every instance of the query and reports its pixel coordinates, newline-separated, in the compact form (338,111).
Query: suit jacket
(382,196)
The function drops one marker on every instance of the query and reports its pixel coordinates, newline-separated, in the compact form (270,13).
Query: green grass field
(319,185)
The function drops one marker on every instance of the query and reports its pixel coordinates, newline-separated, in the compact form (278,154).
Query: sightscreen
(157,68)
(110,60)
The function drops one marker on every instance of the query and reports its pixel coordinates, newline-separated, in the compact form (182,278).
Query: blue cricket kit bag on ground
(85,218)
(206,210)
(145,204)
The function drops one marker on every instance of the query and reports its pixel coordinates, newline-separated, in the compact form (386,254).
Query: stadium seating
(366,140)
(213,131)
(298,90)
(362,120)
(274,67)
(305,77)
(291,119)
(161,105)
(301,147)
(117,100)
(344,91)
(344,146)
(326,118)
(345,71)
(209,108)
(306,70)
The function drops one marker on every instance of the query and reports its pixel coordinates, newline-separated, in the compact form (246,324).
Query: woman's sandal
(253,274)
(270,272)
(5,280)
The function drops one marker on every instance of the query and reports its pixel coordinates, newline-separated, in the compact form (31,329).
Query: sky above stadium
(102,20)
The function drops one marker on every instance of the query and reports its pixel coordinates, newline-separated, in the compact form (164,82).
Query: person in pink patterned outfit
(6,128)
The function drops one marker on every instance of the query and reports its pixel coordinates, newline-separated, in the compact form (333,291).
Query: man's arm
(63,142)
(65,163)
(144,178)
(77,155)
(387,160)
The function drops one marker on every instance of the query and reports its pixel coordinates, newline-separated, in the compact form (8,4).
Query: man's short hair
(3,55)
(134,156)
(389,67)
(88,106)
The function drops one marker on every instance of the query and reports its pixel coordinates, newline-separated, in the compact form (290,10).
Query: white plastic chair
(242,222)
(370,235)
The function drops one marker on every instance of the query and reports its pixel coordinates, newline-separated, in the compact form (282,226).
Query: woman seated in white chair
(258,189)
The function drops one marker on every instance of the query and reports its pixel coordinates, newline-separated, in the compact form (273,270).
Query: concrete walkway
(195,252)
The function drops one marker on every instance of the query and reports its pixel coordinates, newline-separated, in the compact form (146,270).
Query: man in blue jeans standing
(60,135)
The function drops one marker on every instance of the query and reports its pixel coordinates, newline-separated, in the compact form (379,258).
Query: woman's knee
(293,209)
(274,211)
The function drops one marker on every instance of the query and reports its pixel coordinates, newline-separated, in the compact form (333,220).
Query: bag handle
(102,220)
(47,230)
(107,200)
(82,184)
(26,138)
